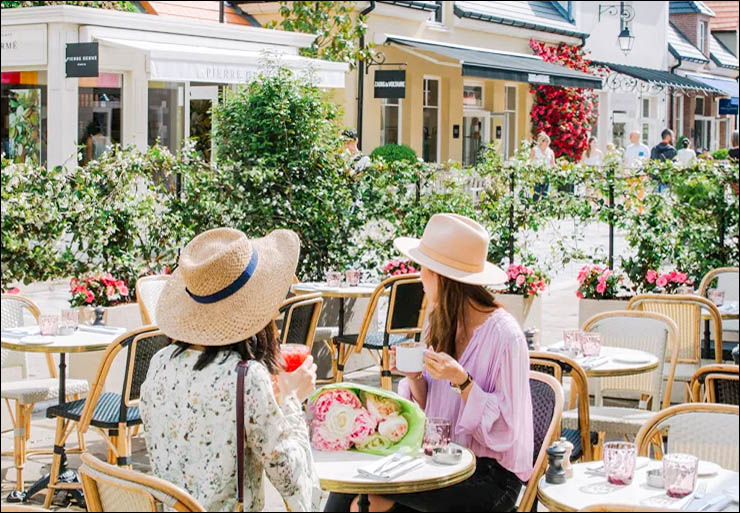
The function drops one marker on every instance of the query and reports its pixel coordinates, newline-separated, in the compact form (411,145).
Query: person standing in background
(664,150)
(356,161)
(636,152)
(542,155)
(686,156)
(593,156)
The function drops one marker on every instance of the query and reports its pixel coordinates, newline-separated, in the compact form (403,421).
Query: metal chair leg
(386,381)
(56,462)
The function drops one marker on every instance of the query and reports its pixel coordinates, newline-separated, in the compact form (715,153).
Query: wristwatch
(461,387)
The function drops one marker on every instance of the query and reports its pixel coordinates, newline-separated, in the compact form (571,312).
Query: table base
(66,475)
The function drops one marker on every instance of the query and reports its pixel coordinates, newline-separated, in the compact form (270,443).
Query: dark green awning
(660,77)
(504,65)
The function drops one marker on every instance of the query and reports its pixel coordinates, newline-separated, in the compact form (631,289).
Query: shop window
(699,107)
(99,114)
(646,133)
(646,107)
(702,39)
(166,114)
(430,141)
(679,117)
(390,121)
(23,105)
(473,96)
(511,140)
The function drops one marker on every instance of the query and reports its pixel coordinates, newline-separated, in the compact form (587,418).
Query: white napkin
(391,469)
(21,332)
(105,330)
(592,364)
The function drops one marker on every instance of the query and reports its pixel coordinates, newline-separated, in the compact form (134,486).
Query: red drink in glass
(294,355)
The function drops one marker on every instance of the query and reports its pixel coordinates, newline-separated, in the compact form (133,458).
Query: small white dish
(449,455)
(37,340)
(630,358)
(707,468)
(655,478)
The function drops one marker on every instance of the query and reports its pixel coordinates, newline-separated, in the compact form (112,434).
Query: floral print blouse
(190,430)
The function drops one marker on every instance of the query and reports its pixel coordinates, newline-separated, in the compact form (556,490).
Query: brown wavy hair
(453,296)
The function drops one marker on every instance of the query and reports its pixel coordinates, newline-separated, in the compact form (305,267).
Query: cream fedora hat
(227,287)
(456,247)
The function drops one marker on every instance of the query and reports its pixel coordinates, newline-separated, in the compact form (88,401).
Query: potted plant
(521,298)
(673,282)
(397,266)
(600,289)
(104,299)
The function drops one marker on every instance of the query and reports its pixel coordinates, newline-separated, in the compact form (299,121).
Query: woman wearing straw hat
(219,306)
(476,372)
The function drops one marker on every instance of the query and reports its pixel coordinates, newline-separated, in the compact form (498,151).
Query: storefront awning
(728,86)
(184,63)
(660,77)
(479,62)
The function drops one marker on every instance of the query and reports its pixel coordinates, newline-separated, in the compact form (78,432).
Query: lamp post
(626,14)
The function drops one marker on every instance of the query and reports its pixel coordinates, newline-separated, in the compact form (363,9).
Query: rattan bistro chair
(114,415)
(708,431)
(300,318)
(148,290)
(27,392)
(547,409)
(720,382)
(404,322)
(557,366)
(685,311)
(110,488)
(726,279)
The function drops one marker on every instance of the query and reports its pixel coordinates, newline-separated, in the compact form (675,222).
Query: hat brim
(491,275)
(244,313)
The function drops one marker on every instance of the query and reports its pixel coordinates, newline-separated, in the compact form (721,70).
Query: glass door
(202,99)
(500,133)
(475,135)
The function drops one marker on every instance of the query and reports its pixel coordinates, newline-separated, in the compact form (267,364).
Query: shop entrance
(476,134)
(202,99)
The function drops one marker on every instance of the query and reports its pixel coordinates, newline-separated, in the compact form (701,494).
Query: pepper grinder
(555,473)
(529,335)
(567,465)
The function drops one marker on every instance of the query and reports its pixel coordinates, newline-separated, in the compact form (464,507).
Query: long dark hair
(453,296)
(263,347)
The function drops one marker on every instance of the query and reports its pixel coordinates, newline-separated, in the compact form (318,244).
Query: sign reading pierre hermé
(81,60)
(390,84)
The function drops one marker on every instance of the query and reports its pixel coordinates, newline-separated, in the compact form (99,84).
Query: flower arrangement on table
(597,282)
(665,283)
(346,416)
(102,290)
(398,266)
(525,281)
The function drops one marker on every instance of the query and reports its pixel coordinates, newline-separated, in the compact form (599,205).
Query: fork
(394,459)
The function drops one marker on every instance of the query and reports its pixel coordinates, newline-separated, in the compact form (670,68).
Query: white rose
(393,428)
(340,421)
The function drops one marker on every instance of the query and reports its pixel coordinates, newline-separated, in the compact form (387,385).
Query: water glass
(49,324)
(679,474)
(716,296)
(572,341)
(591,344)
(70,320)
(620,459)
(353,277)
(333,278)
(436,434)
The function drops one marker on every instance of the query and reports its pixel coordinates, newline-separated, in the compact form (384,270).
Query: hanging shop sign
(81,60)
(390,84)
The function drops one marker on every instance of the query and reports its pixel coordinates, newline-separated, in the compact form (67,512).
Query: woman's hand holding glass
(301,382)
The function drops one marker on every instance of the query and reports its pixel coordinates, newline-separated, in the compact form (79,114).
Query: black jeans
(490,488)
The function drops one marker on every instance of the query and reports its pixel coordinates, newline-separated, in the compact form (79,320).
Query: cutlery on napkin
(691,505)
(592,364)
(405,464)
(21,332)
(108,330)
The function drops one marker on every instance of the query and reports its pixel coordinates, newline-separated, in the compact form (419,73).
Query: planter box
(527,311)
(85,365)
(587,308)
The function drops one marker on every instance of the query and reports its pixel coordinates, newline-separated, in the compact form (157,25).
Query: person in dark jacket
(664,150)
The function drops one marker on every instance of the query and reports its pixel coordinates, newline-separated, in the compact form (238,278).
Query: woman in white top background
(542,154)
(686,156)
(593,156)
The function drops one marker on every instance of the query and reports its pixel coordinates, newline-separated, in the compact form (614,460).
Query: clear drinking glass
(591,344)
(716,296)
(49,324)
(333,278)
(353,277)
(436,434)
(571,341)
(679,474)
(620,459)
(70,320)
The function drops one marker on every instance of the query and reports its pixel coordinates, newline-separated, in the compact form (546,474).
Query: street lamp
(626,14)
(626,40)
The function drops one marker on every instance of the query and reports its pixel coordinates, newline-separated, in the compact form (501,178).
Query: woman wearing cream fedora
(219,307)
(476,372)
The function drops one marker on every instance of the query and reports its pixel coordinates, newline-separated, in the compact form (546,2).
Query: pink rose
(520,280)
(327,399)
(651,276)
(321,441)
(662,281)
(364,427)
(681,277)
(601,287)
(393,428)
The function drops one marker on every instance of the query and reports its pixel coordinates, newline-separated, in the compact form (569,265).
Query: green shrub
(721,154)
(394,153)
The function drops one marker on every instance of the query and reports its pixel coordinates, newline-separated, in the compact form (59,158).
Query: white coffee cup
(410,356)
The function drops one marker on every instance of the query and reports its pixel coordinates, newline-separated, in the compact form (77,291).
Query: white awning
(183,63)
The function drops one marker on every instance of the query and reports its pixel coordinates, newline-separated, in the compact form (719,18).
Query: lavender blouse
(496,420)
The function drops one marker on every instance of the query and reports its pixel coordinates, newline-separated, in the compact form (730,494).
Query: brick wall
(688,24)
(688,116)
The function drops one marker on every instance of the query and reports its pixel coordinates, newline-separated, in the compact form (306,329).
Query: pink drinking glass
(333,278)
(353,277)
(49,324)
(620,459)
(436,434)
(571,341)
(679,474)
(591,344)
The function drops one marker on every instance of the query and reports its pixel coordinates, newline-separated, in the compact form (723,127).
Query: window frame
(475,83)
(383,104)
(702,36)
(439,11)
(439,112)
(515,117)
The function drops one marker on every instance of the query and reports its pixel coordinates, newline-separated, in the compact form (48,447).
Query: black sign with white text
(390,84)
(81,60)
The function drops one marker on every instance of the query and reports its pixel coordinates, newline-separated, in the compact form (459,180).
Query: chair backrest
(148,290)
(17,311)
(558,365)
(300,318)
(727,281)
(708,431)
(685,310)
(140,344)
(110,488)
(21,508)
(646,331)
(720,382)
(547,411)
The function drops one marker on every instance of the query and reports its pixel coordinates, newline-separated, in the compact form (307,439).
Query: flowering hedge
(104,290)
(665,283)
(397,267)
(598,282)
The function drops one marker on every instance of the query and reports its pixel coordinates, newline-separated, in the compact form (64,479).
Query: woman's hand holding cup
(409,356)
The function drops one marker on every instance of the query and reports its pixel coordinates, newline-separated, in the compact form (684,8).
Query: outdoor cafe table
(585,489)
(338,473)
(728,312)
(342,293)
(81,341)
(620,362)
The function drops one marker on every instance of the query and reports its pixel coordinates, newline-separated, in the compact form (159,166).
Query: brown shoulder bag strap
(241,371)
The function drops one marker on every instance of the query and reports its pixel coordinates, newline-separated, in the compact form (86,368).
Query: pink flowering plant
(598,282)
(665,283)
(525,281)
(397,266)
(101,290)
(366,419)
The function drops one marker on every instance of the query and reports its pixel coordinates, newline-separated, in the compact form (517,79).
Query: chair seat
(610,419)
(325,333)
(574,437)
(29,391)
(684,371)
(106,414)
(373,340)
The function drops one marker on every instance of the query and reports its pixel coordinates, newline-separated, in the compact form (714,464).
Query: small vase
(99,313)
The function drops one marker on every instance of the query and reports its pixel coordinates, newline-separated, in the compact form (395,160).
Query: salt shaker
(530,335)
(567,465)
(555,473)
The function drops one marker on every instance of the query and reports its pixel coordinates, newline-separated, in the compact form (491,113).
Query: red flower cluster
(597,282)
(104,290)
(397,267)
(525,281)
(566,114)
(667,282)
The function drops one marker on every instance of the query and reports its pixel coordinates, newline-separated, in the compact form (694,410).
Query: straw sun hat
(227,287)
(455,247)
